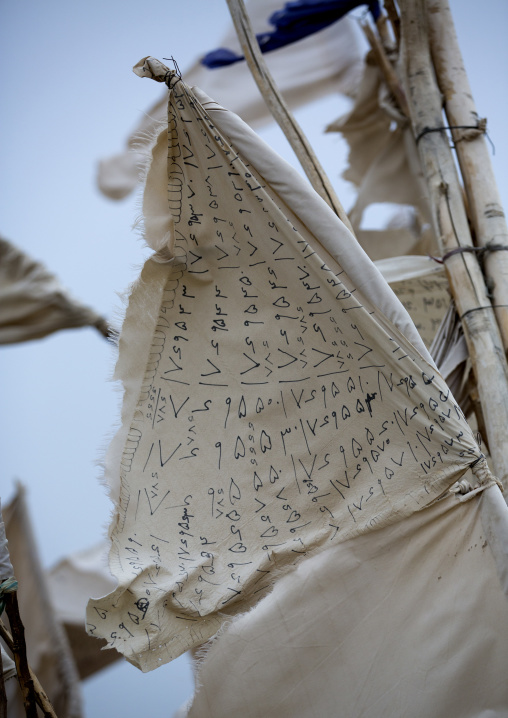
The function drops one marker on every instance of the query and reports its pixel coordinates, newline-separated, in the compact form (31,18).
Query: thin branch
(386,67)
(280,111)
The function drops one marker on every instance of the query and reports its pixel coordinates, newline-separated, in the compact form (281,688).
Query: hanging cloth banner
(33,303)
(278,399)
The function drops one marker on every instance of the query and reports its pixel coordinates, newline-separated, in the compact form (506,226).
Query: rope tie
(9,585)
(484,479)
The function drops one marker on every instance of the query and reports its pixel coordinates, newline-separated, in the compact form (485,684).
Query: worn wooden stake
(484,203)
(386,39)
(386,67)
(451,226)
(40,694)
(393,16)
(18,648)
(281,112)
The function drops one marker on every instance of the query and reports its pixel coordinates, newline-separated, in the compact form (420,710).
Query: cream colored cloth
(383,163)
(327,62)
(33,303)
(47,648)
(70,583)
(411,620)
(422,287)
(272,407)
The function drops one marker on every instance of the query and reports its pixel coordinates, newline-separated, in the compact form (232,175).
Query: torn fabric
(70,582)
(274,405)
(383,163)
(33,303)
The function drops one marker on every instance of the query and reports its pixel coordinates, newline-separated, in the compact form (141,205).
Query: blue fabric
(295,21)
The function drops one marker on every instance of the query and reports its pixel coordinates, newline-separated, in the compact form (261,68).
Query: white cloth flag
(33,303)
(278,399)
(327,62)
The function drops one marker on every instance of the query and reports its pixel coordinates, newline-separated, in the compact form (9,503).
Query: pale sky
(69,98)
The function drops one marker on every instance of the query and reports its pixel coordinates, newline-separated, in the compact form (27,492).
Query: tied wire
(480,252)
(480,127)
(175,66)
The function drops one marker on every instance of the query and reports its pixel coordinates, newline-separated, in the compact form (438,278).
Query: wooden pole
(393,16)
(484,203)
(39,692)
(281,112)
(386,68)
(451,226)
(18,648)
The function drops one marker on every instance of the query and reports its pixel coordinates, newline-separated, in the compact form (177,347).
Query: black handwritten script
(426,299)
(276,415)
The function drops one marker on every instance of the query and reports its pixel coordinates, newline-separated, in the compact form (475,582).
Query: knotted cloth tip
(155,70)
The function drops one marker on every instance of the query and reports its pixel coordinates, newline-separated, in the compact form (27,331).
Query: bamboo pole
(39,692)
(484,202)
(281,112)
(451,226)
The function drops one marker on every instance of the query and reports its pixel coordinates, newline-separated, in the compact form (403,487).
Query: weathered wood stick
(451,226)
(281,112)
(19,653)
(386,67)
(393,16)
(484,203)
(384,33)
(38,691)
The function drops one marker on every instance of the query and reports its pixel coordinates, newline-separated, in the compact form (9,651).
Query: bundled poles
(468,132)
(479,288)
(451,225)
